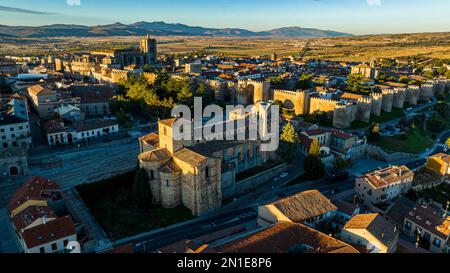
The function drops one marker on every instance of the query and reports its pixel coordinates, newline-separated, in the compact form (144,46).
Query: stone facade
(196,175)
(295,100)
(13,162)
(346,108)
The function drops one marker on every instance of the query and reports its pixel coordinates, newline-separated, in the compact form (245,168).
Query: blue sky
(353,16)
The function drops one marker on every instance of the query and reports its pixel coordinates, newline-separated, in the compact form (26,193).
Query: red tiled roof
(49,232)
(31,214)
(304,141)
(341,134)
(36,188)
(53,127)
(314,132)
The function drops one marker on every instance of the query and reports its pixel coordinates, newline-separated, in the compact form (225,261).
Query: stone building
(13,162)
(366,71)
(384,185)
(195,174)
(371,231)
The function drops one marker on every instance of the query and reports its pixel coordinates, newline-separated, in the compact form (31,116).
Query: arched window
(152,175)
(206,172)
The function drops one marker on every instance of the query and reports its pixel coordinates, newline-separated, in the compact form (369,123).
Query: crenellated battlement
(365,100)
(289,92)
(317,99)
(387,91)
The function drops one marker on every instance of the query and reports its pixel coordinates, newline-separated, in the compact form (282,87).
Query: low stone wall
(248,184)
(379,154)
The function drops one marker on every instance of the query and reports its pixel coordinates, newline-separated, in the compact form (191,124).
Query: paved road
(196,228)
(252,198)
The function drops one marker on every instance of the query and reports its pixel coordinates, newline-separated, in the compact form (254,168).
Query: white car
(284,175)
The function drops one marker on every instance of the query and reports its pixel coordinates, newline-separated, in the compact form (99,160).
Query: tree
(314,167)
(314,149)
(305,81)
(353,84)
(403,79)
(288,142)
(429,74)
(374,132)
(442,70)
(141,189)
(448,142)
(185,96)
(435,125)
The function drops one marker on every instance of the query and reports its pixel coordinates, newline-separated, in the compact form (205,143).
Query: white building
(50,237)
(58,134)
(14,126)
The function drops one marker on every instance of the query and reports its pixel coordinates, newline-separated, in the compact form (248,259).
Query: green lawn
(111,203)
(415,143)
(385,116)
(447,97)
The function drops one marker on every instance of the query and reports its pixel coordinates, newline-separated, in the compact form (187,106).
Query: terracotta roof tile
(284,237)
(304,206)
(49,232)
(36,188)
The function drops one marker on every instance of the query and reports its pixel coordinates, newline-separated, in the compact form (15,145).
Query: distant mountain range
(157,29)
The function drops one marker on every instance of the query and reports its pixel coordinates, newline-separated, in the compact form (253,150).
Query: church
(197,175)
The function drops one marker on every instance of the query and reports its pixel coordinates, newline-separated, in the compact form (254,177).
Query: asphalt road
(150,243)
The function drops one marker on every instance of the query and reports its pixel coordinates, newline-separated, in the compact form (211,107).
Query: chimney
(44,220)
(382,235)
(395,229)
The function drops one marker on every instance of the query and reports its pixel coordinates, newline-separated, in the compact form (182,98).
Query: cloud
(27,11)
(374,2)
(73,2)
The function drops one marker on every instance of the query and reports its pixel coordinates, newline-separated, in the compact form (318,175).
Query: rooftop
(190,157)
(49,232)
(374,223)
(53,127)
(30,215)
(93,124)
(430,219)
(39,90)
(385,177)
(155,155)
(304,206)
(443,157)
(36,188)
(286,237)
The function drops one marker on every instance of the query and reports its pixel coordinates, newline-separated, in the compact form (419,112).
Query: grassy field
(111,203)
(385,116)
(415,143)
(358,48)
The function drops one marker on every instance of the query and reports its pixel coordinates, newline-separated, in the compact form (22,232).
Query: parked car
(284,175)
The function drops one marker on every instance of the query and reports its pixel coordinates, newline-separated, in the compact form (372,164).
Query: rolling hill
(158,29)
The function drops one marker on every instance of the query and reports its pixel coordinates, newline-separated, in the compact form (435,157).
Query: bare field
(359,48)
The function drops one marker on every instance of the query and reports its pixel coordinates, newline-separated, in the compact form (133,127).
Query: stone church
(195,174)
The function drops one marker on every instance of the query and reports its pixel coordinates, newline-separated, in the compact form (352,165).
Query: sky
(351,16)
